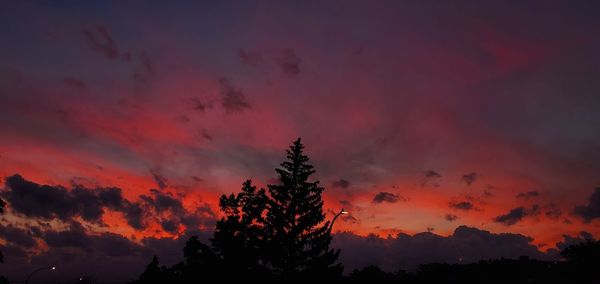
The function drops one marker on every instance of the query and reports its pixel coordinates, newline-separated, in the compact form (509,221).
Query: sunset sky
(126,120)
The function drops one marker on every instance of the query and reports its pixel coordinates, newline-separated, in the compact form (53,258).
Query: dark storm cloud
(516,215)
(450,217)
(170,226)
(49,202)
(100,40)
(169,212)
(74,237)
(528,194)
(404,251)
(17,236)
(74,82)
(388,197)
(41,201)
(431,177)
(569,240)
(252,58)
(290,62)
(341,183)
(233,99)
(591,210)
(46,202)
(469,178)
(105,244)
(163,201)
(134,215)
(461,205)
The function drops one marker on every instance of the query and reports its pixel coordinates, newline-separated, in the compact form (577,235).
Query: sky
(450,130)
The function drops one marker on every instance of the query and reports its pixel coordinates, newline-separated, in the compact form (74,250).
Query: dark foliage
(2,278)
(297,239)
(281,236)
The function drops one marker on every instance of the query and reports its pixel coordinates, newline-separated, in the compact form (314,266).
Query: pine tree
(298,238)
(153,273)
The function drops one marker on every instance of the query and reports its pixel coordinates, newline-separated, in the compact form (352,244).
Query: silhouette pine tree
(152,272)
(298,238)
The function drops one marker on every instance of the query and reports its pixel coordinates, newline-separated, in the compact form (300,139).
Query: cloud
(147,63)
(569,240)
(450,217)
(82,251)
(46,202)
(516,215)
(528,194)
(204,134)
(341,183)
(170,213)
(349,206)
(198,104)
(100,40)
(388,197)
(552,211)
(466,245)
(431,177)
(233,99)
(252,58)
(50,202)
(591,210)
(74,82)
(74,237)
(461,205)
(162,201)
(161,181)
(17,236)
(290,62)
(350,219)
(469,178)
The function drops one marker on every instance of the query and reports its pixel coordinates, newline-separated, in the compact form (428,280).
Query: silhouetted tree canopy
(239,235)
(281,236)
(298,239)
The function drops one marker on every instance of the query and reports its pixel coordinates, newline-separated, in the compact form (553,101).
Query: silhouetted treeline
(277,234)
(280,235)
(581,265)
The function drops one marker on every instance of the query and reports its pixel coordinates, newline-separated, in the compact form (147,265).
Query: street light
(38,270)
(336,216)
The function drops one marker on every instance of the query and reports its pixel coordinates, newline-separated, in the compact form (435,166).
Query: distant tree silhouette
(2,278)
(239,235)
(201,262)
(298,238)
(2,205)
(153,273)
(584,259)
(372,274)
